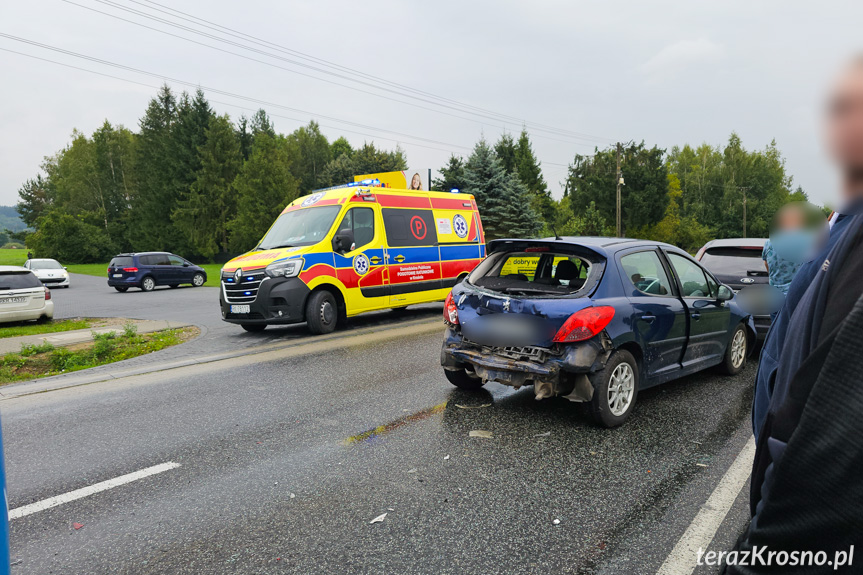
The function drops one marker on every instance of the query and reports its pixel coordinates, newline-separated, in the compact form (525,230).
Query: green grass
(13,257)
(43,360)
(47,327)
(101,270)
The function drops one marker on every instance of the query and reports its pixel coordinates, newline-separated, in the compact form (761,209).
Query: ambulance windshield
(300,228)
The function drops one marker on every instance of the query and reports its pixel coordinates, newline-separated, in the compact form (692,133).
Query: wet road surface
(286,457)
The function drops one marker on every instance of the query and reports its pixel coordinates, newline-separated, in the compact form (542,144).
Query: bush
(68,239)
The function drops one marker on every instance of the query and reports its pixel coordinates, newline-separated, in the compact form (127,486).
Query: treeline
(685,197)
(188,181)
(194,182)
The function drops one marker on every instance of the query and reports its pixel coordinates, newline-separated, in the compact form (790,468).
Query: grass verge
(43,360)
(47,327)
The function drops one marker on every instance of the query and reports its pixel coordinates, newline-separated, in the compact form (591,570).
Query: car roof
(128,255)
(736,242)
(13,269)
(604,246)
(42,260)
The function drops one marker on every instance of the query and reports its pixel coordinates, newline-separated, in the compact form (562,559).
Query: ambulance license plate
(240,309)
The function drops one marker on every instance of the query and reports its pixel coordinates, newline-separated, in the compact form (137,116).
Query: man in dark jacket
(806,494)
(846,139)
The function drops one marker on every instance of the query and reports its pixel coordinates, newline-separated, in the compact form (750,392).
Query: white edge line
(684,557)
(25,510)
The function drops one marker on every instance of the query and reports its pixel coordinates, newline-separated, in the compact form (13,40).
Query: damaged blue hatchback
(593,320)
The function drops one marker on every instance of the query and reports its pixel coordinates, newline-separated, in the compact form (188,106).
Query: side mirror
(725,293)
(343,242)
(187,264)
(65,268)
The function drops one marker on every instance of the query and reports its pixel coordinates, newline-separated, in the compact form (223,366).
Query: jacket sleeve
(814,496)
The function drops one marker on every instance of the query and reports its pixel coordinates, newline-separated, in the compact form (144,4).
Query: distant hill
(10,220)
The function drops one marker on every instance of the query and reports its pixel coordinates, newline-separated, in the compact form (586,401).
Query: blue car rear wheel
(615,389)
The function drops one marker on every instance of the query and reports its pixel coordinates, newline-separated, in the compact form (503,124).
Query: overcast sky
(663,72)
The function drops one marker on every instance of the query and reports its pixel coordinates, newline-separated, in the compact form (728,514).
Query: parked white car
(22,296)
(50,272)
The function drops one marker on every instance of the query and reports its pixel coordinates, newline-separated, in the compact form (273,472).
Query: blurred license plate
(240,309)
(118,275)
(12,300)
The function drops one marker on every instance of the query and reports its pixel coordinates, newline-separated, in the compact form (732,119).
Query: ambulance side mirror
(342,242)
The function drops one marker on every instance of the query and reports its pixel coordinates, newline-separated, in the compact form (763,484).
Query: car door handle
(648,318)
(696,316)
(400,258)
(375,260)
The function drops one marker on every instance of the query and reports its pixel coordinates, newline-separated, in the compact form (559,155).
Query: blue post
(5,568)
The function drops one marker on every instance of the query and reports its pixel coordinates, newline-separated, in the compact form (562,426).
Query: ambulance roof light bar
(375,183)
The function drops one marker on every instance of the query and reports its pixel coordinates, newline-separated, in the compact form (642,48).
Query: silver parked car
(49,271)
(22,296)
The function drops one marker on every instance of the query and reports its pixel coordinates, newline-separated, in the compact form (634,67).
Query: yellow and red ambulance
(350,249)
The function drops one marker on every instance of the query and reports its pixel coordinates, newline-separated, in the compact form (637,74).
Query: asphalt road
(285,457)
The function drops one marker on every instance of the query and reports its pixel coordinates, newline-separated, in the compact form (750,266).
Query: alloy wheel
(621,387)
(738,348)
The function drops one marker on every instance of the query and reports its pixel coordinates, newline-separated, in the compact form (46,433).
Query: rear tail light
(584,324)
(130,270)
(47,294)
(450,311)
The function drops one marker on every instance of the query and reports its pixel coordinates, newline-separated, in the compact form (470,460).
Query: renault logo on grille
(238,274)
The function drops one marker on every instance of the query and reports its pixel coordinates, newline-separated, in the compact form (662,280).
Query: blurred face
(845,123)
(790,218)
(415,181)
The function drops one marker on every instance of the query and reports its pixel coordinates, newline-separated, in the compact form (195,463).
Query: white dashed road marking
(683,558)
(19,512)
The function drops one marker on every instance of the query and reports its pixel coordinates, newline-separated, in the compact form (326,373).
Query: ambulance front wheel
(322,313)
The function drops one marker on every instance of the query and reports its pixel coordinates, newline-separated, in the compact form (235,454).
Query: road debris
(460,406)
(481,433)
(546,434)
(292,495)
(556,522)
(412,470)
(378,519)
(77,526)
(446,457)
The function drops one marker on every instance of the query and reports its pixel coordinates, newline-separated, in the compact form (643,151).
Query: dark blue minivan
(594,320)
(146,270)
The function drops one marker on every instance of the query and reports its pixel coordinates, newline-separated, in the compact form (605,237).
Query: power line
(459,107)
(216,90)
(359,72)
(105,75)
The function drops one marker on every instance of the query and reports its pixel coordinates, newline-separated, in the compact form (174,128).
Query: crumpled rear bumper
(560,371)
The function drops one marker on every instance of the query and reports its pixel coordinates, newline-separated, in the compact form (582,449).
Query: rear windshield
(532,273)
(731,260)
(18,280)
(121,262)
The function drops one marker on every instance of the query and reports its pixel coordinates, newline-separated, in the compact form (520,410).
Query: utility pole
(742,189)
(619,177)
